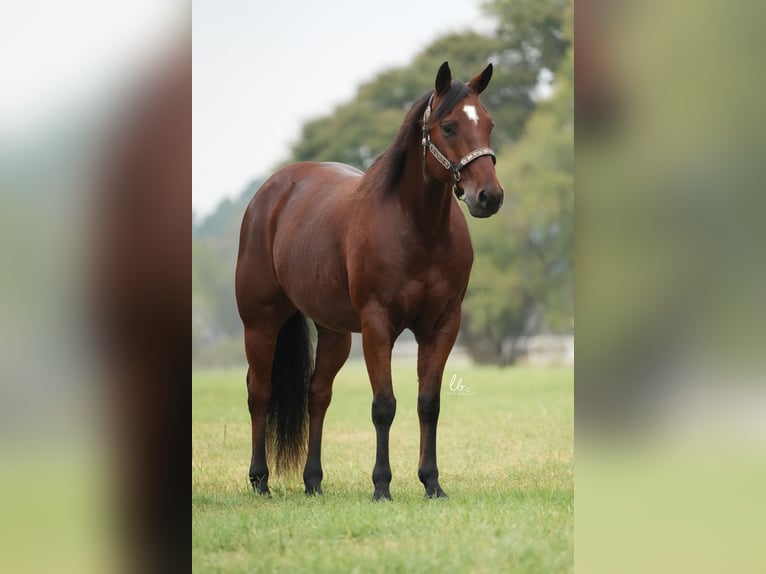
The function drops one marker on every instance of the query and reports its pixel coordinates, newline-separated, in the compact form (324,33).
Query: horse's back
(290,189)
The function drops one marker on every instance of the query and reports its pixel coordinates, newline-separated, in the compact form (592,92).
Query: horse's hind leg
(259,347)
(332,351)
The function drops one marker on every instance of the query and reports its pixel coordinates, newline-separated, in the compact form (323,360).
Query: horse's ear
(480,81)
(443,79)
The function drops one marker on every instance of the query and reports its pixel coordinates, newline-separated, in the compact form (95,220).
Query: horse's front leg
(377,342)
(433,350)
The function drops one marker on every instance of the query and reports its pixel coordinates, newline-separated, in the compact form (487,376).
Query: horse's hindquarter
(308,245)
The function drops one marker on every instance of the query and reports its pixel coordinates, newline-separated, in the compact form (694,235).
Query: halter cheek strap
(457,167)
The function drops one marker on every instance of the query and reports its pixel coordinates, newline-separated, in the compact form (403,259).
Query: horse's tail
(287,422)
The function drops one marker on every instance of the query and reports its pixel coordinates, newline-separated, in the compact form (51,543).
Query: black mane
(389,165)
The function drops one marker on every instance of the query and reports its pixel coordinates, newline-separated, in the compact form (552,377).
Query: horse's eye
(449,129)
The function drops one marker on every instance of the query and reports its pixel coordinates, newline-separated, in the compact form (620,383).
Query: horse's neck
(423,198)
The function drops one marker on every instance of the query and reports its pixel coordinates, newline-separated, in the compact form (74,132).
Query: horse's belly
(330,309)
(345,322)
(318,286)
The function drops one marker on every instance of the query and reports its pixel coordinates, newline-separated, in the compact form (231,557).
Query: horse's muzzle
(486,202)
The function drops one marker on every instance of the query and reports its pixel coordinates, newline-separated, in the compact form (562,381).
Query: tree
(215,321)
(523,279)
(528,39)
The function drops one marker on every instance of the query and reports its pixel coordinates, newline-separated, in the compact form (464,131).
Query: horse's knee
(429,405)
(383,410)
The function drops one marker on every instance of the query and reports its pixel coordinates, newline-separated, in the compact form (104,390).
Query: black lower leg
(259,476)
(383,411)
(319,400)
(428,471)
(259,470)
(312,473)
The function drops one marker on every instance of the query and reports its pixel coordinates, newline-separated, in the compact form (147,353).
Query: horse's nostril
(483,198)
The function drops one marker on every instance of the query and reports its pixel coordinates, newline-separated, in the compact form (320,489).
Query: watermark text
(457,387)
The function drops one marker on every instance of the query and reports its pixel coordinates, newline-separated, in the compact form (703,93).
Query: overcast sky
(57,58)
(262,68)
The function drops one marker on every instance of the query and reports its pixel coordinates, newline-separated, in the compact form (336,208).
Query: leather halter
(457,167)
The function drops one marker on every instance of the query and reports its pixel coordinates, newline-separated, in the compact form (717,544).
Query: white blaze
(470,111)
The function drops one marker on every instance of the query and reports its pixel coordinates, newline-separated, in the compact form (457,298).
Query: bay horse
(376,253)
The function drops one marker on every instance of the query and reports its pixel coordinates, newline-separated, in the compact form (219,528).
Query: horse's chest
(429,295)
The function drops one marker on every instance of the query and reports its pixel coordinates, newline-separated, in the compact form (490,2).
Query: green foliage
(216,328)
(528,39)
(505,458)
(523,278)
(533,32)
(356,132)
(227,213)
(212,292)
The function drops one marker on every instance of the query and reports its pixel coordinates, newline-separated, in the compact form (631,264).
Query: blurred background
(670,402)
(95,165)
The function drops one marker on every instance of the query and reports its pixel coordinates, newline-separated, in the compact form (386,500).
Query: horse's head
(456,134)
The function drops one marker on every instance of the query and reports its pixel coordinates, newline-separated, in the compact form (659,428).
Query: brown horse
(374,253)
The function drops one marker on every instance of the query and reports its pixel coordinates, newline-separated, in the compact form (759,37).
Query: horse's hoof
(381,495)
(313,491)
(260,488)
(437,493)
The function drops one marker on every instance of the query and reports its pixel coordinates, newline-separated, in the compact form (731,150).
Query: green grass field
(505,453)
